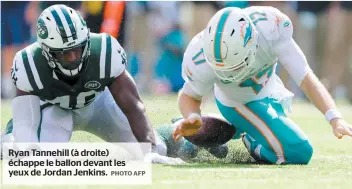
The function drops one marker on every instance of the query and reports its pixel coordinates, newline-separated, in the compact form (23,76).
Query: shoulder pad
(194,65)
(270,22)
(119,58)
(24,72)
(112,57)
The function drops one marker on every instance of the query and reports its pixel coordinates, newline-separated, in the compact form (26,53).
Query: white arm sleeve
(293,60)
(26,118)
(188,90)
(288,52)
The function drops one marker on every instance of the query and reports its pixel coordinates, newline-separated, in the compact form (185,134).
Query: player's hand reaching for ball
(187,127)
(341,127)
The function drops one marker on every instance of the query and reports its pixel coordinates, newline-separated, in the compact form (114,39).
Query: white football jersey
(275,31)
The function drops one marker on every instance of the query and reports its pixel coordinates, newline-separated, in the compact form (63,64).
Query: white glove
(156,158)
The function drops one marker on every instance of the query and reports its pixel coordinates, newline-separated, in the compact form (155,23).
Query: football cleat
(254,151)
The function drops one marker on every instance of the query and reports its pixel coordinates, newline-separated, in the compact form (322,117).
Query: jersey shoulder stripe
(108,56)
(28,70)
(102,56)
(31,69)
(19,74)
(34,69)
(95,55)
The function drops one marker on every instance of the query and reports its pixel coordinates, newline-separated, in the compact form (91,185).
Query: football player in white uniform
(72,79)
(236,56)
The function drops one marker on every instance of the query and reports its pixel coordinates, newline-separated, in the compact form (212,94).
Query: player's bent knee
(301,153)
(307,152)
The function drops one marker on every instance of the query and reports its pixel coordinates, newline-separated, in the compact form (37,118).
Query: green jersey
(31,73)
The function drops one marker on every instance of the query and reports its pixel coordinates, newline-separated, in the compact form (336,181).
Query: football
(214,131)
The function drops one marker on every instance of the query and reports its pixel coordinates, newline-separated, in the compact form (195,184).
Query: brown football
(214,131)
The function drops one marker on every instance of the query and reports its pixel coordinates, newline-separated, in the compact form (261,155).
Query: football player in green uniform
(72,79)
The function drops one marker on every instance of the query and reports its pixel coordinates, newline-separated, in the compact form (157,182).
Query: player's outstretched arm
(188,104)
(190,110)
(26,117)
(293,59)
(199,81)
(125,93)
(321,98)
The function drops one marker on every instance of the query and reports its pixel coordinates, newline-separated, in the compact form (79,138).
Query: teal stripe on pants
(295,145)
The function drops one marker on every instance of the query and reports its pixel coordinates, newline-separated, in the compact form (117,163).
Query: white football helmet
(61,29)
(230,44)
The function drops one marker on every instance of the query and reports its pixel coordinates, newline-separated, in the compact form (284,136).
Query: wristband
(193,115)
(332,114)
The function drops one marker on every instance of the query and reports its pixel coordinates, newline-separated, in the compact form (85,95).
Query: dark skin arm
(126,96)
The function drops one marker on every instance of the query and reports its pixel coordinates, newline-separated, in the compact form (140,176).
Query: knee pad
(300,153)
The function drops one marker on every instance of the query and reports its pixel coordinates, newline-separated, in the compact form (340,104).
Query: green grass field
(331,166)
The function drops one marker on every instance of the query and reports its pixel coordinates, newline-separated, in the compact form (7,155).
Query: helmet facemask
(72,68)
(237,73)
